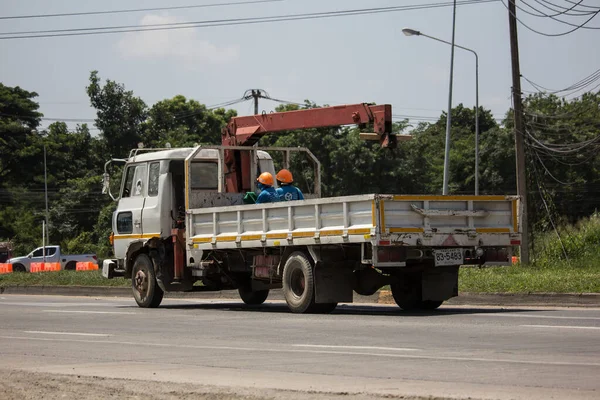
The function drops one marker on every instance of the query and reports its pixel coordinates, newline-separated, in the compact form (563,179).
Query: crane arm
(247,130)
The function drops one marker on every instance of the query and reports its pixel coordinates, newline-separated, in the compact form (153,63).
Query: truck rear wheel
(323,308)
(430,304)
(407,292)
(71,266)
(146,291)
(253,298)
(298,283)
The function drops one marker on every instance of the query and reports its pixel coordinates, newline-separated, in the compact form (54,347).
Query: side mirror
(29,256)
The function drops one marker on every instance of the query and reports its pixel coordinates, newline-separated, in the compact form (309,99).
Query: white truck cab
(152,193)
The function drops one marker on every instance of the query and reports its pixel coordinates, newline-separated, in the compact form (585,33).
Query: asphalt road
(362,350)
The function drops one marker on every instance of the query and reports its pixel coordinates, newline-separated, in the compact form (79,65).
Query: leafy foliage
(563,185)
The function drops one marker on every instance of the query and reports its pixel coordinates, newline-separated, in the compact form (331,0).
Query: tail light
(95,257)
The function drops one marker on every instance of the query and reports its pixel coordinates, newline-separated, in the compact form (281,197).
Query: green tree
(19,120)
(119,116)
(182,122)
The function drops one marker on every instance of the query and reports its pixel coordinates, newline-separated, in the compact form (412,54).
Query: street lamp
(412,32)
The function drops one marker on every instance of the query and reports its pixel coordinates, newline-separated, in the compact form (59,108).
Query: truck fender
(288,250)
(132,251)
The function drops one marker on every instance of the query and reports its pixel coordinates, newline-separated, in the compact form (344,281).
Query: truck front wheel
(146,291)
(298,283)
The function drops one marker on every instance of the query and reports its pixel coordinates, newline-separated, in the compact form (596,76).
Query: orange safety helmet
(265,178)
(285,176)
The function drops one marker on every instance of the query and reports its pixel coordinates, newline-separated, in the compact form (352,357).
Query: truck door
(157,207)
(128,218)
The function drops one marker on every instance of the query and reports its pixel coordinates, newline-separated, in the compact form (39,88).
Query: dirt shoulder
(22,385)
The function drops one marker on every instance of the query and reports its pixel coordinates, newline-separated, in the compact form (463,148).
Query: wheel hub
(298,283)
(141,282)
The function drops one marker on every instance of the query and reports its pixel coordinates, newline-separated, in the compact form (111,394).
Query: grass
(61,278)
(549,270)
(561,277)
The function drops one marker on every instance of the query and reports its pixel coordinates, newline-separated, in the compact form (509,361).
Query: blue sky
(337,60)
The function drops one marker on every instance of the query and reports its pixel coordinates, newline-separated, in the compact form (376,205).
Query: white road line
(561,327)
(324,346)
(302,351)
(68,333)
(533,316)
(89,312)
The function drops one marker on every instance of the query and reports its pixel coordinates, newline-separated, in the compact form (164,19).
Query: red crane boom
(247,130)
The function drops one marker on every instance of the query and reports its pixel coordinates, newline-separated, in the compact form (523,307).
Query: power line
(565,11)
(226,22)
(134,10)
(577,27)
(573,88)
(553,17)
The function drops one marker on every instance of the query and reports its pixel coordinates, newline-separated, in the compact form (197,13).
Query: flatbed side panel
(323,221)
(450,214)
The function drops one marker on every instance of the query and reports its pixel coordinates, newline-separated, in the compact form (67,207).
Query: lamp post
(412,32)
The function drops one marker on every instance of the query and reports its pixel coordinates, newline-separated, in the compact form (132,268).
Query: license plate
(448,257)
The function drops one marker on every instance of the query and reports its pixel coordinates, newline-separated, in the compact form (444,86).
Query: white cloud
(184,45)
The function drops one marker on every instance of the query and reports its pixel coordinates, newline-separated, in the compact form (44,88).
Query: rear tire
(146,291)
(19,268)
(323,308)
(71,266)
(253,298)
(298,283)
(407,292)
(430,305)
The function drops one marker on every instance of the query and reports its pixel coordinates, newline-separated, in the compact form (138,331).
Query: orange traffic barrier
(515,260)
(36,267)
(44,267)
(51,267)
(86,266)
(6,268)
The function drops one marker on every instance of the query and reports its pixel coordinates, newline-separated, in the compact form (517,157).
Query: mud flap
(333,284)
(439,284)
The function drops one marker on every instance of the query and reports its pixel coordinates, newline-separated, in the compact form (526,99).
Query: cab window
(205,176)
(153,179)
(135,181)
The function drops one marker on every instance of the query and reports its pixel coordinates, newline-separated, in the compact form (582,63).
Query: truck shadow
(347,309)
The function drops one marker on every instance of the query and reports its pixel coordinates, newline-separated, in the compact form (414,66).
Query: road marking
(534,316)
(89,312)
(68,333)
(356,347)
(306,351)
(560,327)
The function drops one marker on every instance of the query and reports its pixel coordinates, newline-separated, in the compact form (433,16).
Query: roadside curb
(382,297)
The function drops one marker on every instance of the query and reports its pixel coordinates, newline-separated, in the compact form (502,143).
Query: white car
(53,255)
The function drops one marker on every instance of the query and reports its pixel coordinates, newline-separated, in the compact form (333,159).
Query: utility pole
(47,229)
(449,116)
(519,131)
(256,94)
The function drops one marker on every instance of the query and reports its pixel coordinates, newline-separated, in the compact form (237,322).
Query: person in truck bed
(267,192)
(286,190)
